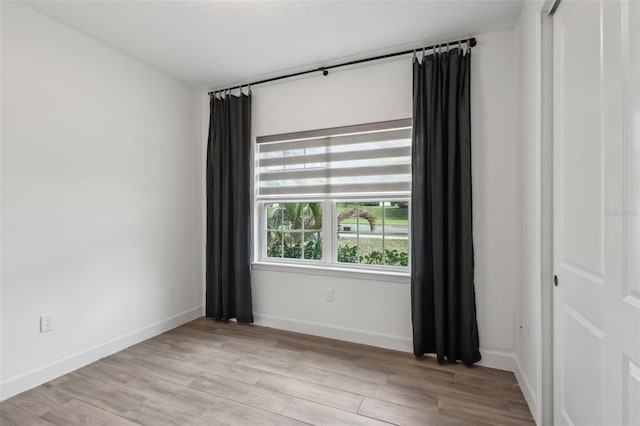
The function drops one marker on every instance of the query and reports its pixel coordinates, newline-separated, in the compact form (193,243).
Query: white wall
(495,161)
(528,305)
(378,311)
(101,205)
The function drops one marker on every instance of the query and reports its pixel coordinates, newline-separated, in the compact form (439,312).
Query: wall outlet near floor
(328,294)
(46,323)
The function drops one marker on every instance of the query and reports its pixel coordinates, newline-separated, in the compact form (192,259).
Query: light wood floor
(208,373)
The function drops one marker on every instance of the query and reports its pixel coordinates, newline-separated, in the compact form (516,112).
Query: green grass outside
(394,215)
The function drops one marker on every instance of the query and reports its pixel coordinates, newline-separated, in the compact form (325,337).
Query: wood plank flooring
(208,373)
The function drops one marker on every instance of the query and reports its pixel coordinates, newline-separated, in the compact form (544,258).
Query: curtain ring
(249,89)
(423,49)
(414,55)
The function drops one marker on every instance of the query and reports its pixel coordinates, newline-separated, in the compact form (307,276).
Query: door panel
(582,132)
(578,214)
(580,387)
(596,135)
(632,390)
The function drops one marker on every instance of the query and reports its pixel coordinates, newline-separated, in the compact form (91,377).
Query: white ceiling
(215,44)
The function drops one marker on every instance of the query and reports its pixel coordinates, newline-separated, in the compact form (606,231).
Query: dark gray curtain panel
(229,209)
(442,289)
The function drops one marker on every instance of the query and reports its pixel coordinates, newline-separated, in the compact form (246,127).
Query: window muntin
(365,167)
(293,230)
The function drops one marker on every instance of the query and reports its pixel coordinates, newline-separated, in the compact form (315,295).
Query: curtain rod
(325,70)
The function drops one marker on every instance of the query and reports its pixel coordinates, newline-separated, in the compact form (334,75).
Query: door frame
(546,389)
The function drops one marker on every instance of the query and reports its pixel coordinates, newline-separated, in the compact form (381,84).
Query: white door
(596,136)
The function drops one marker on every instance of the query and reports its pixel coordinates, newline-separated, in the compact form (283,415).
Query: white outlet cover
(46,323)
(329,294)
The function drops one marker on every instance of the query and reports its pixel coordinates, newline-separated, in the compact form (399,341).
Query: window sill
(333,271)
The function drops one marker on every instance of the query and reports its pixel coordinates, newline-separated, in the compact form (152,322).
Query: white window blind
(363,159)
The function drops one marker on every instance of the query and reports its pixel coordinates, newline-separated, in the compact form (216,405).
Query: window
(294,230)
(373,233)
(336,196)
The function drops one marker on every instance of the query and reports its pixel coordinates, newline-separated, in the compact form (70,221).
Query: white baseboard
(490,358)
(40,375)
(399,343)
(15,385)
(527,390)
(501,360)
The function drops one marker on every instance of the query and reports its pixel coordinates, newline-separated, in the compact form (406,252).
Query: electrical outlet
(328,294)
(46,323)
(524,331)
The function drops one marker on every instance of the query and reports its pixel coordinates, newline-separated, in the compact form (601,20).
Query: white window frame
(329,233)
(367,266)
(329,261)
(262,209)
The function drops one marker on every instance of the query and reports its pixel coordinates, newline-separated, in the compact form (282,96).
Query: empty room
(320,212)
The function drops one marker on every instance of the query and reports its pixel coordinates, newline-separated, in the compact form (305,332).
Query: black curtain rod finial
(472,42)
